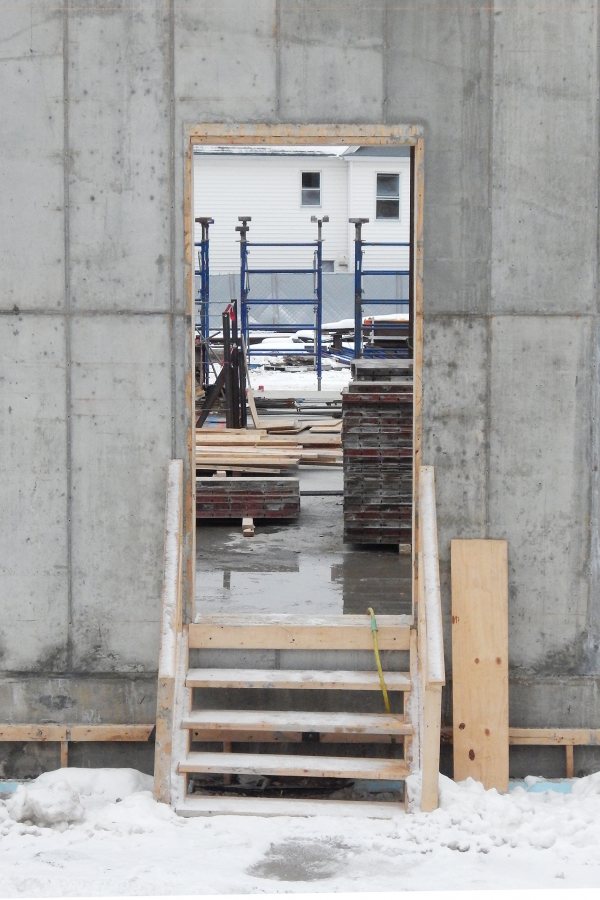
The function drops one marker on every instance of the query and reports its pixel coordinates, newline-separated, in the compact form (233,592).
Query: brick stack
(377,450)
(220,497)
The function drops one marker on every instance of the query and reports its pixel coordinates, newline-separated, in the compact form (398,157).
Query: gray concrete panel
(455,377)
(540,483)
(554,701)
(31,165)
(331,65)
(439,75)
(545,159)
(72,699)
(216,45)
(220,46)
(119,186)
(121,401)
(33,489)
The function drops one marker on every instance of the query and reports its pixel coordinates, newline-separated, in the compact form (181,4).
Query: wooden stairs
(276,704)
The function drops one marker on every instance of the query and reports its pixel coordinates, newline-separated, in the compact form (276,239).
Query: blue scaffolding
(316,301)
(360,273)
(203,294)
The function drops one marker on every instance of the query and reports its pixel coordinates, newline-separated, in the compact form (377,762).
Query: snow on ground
(298,379)
(89,832)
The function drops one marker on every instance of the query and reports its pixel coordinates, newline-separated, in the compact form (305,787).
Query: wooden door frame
(282,133)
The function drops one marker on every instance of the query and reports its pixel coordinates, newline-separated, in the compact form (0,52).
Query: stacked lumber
(239,498)
(258,451)
(377,449)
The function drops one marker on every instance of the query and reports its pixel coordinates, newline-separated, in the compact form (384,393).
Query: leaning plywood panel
(480,661)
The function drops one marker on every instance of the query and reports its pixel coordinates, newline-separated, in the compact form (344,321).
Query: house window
(388,196)
(311,189)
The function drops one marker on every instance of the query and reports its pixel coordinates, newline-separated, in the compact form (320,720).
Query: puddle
(302,861)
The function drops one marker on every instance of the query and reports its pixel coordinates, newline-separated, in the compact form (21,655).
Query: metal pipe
(318,343)
(204,222)
(358,291)
(243,229)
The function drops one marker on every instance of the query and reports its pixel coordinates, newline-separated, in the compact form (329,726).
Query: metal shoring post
(243,230)
(204,222)
(358,261)
(318,344)
(227,367)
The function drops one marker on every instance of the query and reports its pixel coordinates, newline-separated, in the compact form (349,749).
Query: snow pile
(55,804)
(62,797)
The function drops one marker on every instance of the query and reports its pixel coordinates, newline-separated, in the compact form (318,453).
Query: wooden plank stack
(377,453)
(238,498)
(258,451)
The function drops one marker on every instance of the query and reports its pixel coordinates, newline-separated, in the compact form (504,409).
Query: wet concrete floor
(300,567)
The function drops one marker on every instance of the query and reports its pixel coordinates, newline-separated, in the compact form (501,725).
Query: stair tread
(276,764)
(263,720)
(293,633)
(195,805)
(296,679)
(289,620)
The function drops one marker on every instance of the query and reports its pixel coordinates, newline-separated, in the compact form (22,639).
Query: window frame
(378,198)
(318,205)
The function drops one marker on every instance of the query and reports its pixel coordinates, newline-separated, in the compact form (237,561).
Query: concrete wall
(92,323)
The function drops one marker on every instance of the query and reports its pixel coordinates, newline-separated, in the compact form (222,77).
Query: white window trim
(318,205)
(377,197)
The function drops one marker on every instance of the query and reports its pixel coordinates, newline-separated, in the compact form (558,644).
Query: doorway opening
(304,243)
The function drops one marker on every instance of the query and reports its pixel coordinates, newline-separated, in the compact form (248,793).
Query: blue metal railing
(316,301)
(360,273)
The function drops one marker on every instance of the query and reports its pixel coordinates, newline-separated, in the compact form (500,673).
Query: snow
(89,832)
(334,379)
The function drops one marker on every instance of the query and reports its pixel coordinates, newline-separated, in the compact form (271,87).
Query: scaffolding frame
(316,301)
(360,273)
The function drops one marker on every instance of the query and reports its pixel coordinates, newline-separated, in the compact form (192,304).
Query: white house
(282,187)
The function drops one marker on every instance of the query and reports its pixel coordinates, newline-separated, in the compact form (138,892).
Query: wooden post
(171,625)
(480,661)
(431,641)
(570,760)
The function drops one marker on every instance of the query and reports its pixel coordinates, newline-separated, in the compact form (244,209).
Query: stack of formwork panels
(377,441)
(221,497)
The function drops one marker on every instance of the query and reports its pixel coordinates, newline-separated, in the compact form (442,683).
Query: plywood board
(480,661)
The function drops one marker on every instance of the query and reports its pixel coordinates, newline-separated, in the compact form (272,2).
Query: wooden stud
(189,512)
(42,733)
(288,133)
(417,239)
(570,760)
(64,754)
(480,661)
(538,737)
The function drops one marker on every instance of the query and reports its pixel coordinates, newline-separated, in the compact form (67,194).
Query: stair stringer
(181,707)
(412,711)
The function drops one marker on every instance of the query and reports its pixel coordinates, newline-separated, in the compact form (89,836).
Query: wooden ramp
(282,703)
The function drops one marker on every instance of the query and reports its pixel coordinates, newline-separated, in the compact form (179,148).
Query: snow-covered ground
(78,832)
(299,379)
